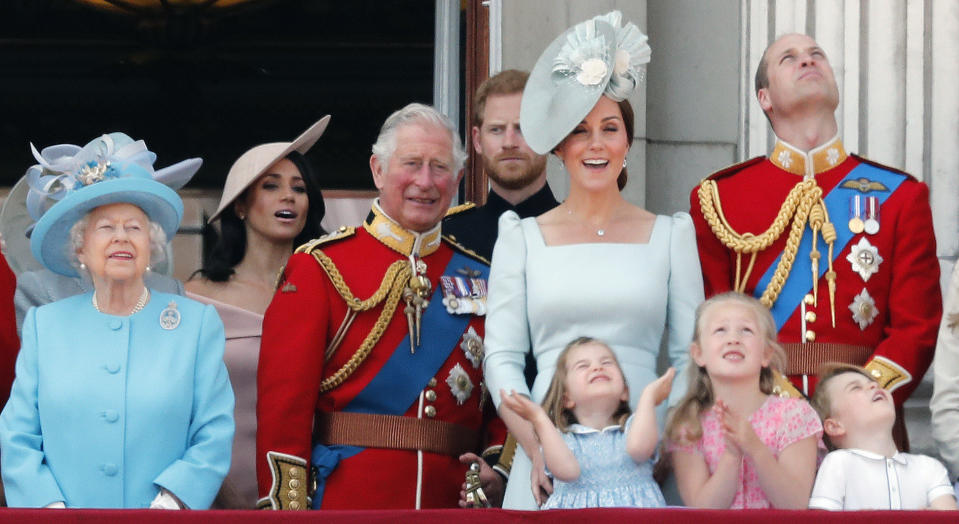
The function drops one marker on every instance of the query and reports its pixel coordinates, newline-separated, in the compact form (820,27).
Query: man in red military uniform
(370,367)
(841,249)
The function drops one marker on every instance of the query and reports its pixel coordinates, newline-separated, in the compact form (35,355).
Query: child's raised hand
(521,405)
(658,390)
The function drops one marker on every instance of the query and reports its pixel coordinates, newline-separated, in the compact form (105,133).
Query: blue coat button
(116,324)
(109,469)
(112,367)
(111,415)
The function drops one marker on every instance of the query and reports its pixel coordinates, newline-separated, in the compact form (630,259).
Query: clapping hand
(522,406)
(738,432)
(659,389)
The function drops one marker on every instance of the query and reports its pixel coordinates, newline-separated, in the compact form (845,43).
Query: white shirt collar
(898,457)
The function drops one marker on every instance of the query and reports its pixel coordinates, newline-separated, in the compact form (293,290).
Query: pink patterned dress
(778,423)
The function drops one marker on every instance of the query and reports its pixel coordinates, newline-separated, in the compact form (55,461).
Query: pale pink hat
(256,161)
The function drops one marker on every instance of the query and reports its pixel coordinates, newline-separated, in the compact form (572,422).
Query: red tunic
(302,319)
(905,288)
(9,342)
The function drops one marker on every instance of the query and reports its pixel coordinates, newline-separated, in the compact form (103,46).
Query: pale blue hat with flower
(70,181)
(600,56)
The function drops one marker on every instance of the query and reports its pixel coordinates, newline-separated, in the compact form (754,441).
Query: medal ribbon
(798,283)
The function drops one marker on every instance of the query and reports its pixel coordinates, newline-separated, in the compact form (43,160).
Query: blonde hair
(554,403)
(684,424)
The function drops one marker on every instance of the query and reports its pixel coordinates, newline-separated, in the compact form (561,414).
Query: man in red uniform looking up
(841,249)
(370,381)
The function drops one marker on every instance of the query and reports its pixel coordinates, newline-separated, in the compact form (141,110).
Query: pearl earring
(624,163)
(149,269)
(83,266)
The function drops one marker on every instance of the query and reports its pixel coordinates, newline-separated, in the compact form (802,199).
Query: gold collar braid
(390,290)
(803,204)
(403,241)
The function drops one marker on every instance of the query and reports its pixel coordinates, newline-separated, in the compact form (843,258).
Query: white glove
(56,505)
(165,500)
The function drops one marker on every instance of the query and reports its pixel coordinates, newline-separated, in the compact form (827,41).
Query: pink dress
(778,423)
(241,355)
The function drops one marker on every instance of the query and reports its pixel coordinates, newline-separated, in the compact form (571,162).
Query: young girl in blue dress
(598,454)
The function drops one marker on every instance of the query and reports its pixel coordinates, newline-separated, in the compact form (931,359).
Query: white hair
(157,242)
(416,113)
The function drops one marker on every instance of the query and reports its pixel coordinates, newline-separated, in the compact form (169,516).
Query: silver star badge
(863,309)
(865,259)
(472,345)
(460,384)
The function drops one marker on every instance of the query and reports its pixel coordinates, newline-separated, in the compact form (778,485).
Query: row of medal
(864,214)
(464,295)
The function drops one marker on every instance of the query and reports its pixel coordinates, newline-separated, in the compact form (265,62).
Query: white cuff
(165,500)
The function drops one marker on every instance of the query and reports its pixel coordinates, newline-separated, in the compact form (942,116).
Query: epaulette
(882,166)
(465,250)
(735,168)
(339,234)
(455,210)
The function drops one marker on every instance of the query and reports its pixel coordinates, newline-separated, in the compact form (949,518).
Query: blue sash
(798,284)
(399,383)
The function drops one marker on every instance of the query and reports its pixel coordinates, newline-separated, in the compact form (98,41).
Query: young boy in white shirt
(866,470)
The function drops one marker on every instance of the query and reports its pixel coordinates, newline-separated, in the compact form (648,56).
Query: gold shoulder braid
(803,203)
(390,290)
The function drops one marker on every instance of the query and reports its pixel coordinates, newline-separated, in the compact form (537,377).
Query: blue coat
(104,410)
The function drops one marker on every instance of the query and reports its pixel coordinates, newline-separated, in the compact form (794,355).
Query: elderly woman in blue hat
(121,398)
(596,265)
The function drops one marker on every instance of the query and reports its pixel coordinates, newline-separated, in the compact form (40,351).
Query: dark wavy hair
(223,250)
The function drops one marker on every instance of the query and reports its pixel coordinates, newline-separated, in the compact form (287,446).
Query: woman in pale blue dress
(596,265)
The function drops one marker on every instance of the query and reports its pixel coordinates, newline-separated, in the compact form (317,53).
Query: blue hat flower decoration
(597,57)
(69,181)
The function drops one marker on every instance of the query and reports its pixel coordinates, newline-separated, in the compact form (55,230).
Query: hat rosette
(593,58)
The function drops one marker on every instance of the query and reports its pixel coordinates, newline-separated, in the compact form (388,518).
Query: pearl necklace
(139,305)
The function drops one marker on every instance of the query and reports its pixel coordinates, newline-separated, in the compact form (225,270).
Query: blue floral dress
(608,476)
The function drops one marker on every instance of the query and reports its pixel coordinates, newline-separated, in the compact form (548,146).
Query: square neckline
(652,235)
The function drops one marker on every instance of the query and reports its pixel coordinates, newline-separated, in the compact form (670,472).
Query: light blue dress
(609,477)
(628,295)
(105,410)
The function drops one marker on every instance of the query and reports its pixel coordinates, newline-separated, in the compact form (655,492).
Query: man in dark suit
(517,175)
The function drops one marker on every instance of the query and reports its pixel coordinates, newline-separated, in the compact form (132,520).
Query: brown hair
(821,401)
(507,82)
(554,403)
(684,424)
(628,120)
(761,80)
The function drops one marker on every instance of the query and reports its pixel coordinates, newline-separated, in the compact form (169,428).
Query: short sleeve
(829,491)
(685,295)
(682,444)
(939,484)
(507,326)
(799,421)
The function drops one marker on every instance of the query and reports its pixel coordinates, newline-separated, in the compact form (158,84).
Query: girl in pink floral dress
(733,443)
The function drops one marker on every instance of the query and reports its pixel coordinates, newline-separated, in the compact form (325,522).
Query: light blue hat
(593,58)
(70,181)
